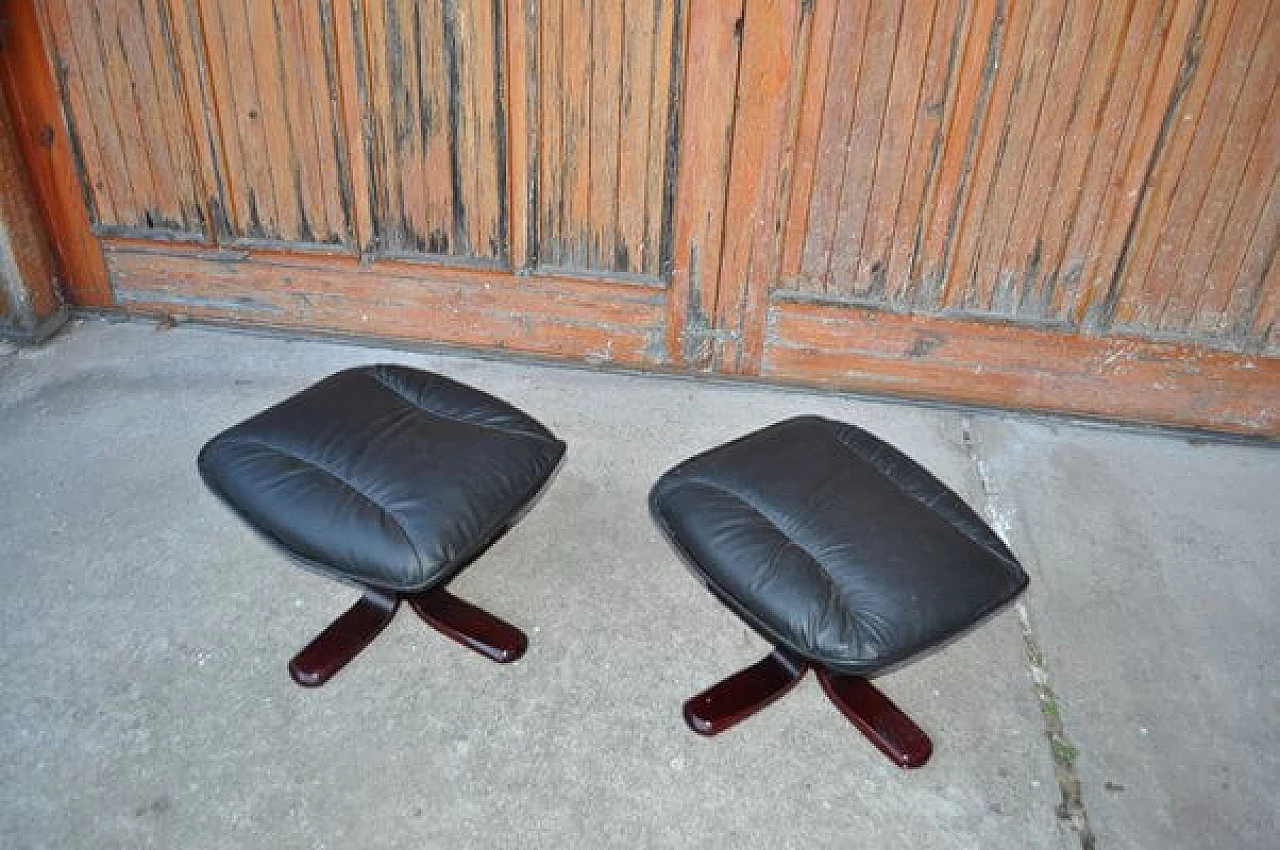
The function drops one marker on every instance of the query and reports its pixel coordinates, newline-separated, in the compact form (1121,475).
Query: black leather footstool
(391,479)
(845,554)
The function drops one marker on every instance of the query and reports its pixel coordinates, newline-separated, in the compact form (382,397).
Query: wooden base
(725,705)
(343,639)
(470,626)
(348,635)
(893,732)
(746,692)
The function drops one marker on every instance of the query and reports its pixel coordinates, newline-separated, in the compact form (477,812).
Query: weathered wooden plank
(147,49)
(1162,82)
(1180,175)
(1001,364)
(1045,295)
(992,288)
(599,322)
(664,103)
(521,91)
(771,38)
(707,78)
(47,150)
(639,27)
(29,305)
(348,50)
(552,176)
(981,35)
(814,73)
(104,31)
(91,142)
(1247,135)
(604,142)
(180,22)
(884,19)
(483,124)
(1014,267)
(833,142)
(577,49)
(991,144)
(893,148)
(932,117)
(1257,290)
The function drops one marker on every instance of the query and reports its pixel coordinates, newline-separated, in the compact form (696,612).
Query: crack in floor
(1072,809)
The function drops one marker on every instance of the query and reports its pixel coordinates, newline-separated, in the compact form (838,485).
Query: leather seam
(863,457)
(431,411)
(399,524)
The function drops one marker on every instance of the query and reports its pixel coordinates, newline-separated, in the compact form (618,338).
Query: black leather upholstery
(835,545)
(387,475)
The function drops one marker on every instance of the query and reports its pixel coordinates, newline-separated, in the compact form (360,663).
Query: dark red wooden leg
(895,734)
(470,626)
(743,694)
(343,639)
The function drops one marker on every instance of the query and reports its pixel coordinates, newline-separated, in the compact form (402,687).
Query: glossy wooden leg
(343,639)
(470,626)
(733,700)
(894,733)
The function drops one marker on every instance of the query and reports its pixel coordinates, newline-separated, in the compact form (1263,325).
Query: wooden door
(499,173)
(1054,204)
(1061,205)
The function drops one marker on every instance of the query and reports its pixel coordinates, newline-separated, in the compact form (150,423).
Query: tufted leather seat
(392,479)
(383,474)
(843,553)
(834,544)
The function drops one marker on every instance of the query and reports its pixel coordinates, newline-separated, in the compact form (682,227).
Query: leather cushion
(835,545)
(388,475)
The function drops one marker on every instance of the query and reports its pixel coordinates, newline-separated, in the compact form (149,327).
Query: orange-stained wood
(771,35)
(29,300)
(1008,366)
(567,317)
(708,87)
(47,150)
(1071,195)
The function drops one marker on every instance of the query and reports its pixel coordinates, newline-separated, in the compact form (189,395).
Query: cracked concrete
(145,702)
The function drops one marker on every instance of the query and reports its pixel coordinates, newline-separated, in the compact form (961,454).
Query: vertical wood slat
(1245,135)
(635,98)
(901,118)
(350,54)
(1180,172)
(992,287)
(552,178)
(865,135)
(577,48)
(771,34)
(991,144)
(1022,255)
(94,144)
(605,104)
(708,87)
(605,93)
(123,91)
(833,143)
(1249,246)
(439,135)
(664,104)
(928,135)
(48,150)
(809,123)
(522,56)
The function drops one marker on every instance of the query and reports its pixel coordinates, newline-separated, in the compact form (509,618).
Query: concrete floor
(144,701)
